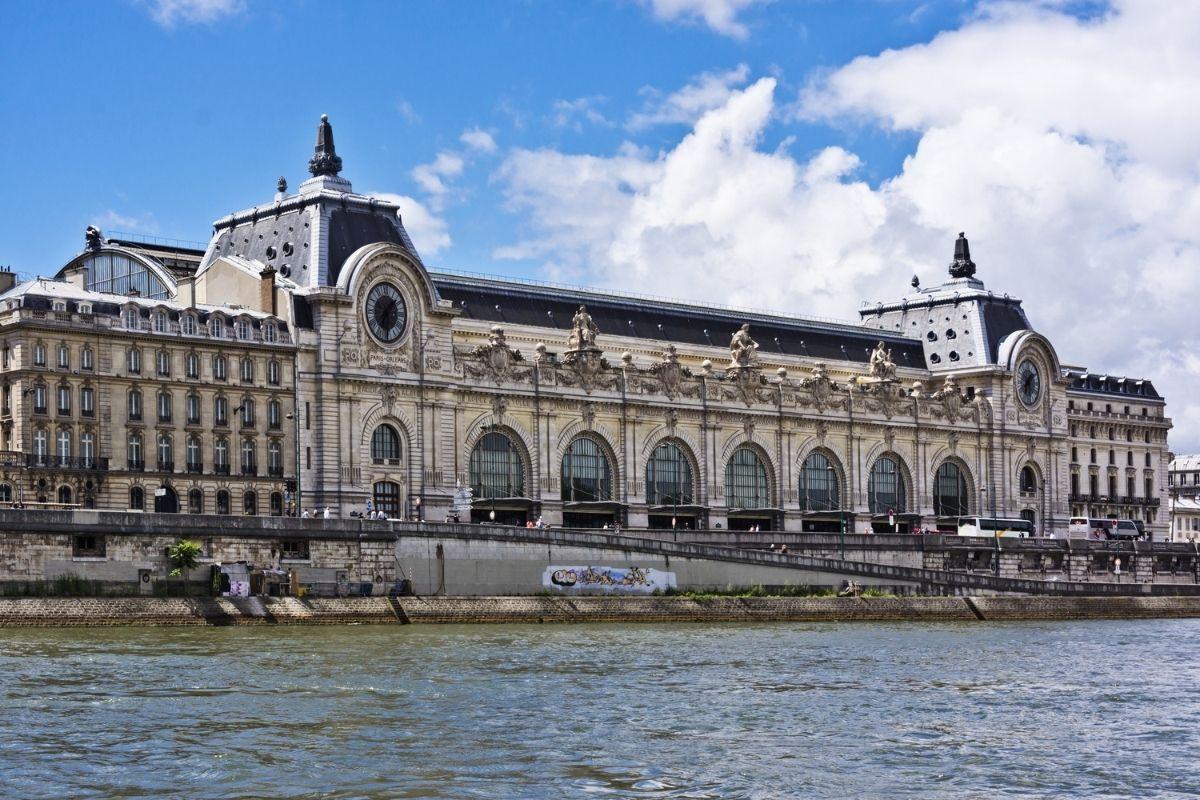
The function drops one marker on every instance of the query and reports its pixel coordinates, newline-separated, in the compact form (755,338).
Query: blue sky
(801,155)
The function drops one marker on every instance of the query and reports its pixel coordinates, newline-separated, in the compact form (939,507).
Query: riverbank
(92,612)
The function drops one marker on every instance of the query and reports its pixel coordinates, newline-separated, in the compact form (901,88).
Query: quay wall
(150,611)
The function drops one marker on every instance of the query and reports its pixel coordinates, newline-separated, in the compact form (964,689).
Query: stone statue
(583,330)
(93,238)
(743,350)
(496,338)
(882,366)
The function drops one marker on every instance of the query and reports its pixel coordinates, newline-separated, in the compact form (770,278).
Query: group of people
(318,513)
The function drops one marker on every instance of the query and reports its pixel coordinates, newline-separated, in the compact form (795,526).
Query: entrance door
(166,501)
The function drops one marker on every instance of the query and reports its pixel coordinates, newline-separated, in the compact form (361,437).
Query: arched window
(247,412)
(276,504)
(275,458)
(268,332)
(220,410)
(193,408)
(586,473)
(64,357)
(746,484)
(87,450)
(5,493)
(134,400)
(188,324)
(243,329)
(135,456)
(219,366)
(387,497)
(161,322)
(164,406)
(385,445)
(496,467)
(221,455)
(166,456)
(247,370)
(163,362)
(1028,479)
(950,498)
(116,273)
(137,498)
(64,495)
(195,501)
(86,358)
(273,372)
(249,503)
(249,457)
(274,414)
(669,477)
(216,327)
(819,490)
(133,360)
(194,461)
(222,501)
(885,487)
(64,448)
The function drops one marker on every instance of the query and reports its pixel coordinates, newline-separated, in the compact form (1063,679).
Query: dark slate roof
(277,232)
(1111,385)
(1000,318)
(507,302)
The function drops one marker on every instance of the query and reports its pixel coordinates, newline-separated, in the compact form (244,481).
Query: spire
(963,266)
(325,160)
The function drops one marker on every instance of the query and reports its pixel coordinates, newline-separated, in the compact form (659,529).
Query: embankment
(91,612)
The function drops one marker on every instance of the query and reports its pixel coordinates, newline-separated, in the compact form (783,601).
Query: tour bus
(1085,528)
(991,526)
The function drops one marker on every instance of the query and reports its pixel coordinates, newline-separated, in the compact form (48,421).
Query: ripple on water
(1088,709)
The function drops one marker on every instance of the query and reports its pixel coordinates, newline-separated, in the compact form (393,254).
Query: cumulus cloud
(435,176)
(706,92)
(1088,207)
(169,13)
(477,139)
(719,15)
(111,220)
(428,231)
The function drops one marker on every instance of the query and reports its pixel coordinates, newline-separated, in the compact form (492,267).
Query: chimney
(187,291)
(8,279)
(266,291)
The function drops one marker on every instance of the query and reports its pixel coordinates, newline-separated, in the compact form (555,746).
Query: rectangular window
(87,546)
(85,358)
(64,400)
(296,549)
(307,419)
(308,457)
(64,357)
(87,401)
(39,355)
(134,360)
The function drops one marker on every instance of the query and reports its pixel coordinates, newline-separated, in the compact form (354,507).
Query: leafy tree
(185,556)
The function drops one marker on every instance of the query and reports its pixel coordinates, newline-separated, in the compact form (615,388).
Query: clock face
(1029,383)
(386,313)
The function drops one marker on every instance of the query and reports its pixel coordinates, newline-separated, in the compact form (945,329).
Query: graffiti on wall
(632,580)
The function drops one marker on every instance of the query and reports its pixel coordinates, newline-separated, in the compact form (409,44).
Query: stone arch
(601,434)
(409,458)
(813,446)
(361,266)
(763,453)
(906,474)
(685,447)
(737,439)
(508,425)
(943,457)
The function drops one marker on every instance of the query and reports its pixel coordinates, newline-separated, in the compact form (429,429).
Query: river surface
(1082,709)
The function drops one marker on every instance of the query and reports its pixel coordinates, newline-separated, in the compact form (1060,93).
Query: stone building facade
(424,393)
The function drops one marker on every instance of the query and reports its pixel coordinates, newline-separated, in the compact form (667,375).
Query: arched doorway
(165,500)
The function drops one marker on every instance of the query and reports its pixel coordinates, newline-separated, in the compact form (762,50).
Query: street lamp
(295,418)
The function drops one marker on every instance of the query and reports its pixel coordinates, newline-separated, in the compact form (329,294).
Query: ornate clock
(387,315)
(1029,383)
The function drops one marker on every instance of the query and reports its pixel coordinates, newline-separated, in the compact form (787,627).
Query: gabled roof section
(1137,388)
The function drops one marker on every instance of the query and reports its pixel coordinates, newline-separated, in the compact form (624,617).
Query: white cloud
(718,15)
(573,113)
(407,112)
(1087,208)
(706,92)
(112,220)
(169,13)
(434,177)
(428,231)
(477,139)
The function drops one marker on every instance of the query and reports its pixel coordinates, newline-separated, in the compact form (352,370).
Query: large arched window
(385,445)
(137,498)
(222,501)
(496,467)
(950,496)
(115,273)
(669,477)
(746,483)
(64,495)
(1028,479)
(885,487)
(249,503)
(387,498)
(586,473)
(819,485)
(195,501)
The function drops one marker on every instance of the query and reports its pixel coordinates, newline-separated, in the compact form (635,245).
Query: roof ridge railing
(690,304)
(145,238)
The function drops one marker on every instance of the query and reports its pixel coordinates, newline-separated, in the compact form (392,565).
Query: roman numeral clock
(386,312)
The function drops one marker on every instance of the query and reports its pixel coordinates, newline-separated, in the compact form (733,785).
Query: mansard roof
(508,302)
(1082,381)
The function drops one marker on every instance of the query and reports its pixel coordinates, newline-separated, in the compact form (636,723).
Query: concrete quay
(151,611)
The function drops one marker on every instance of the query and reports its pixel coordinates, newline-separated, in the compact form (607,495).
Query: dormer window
(161,322)
(243,329)
(215,327)
(187,324)
(130,318)
(85,308)
(60,306)
(269,332)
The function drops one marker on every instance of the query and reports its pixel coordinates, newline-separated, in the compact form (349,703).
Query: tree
(185,556)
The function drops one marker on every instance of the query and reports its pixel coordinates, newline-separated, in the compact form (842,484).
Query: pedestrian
(328,512)
(305,514)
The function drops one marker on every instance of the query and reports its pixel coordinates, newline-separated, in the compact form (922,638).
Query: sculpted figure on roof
(882,366)
(743,350)
(583,330)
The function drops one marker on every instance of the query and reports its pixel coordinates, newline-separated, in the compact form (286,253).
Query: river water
(1082,709)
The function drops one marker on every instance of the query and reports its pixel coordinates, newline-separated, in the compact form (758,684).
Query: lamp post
(295,418)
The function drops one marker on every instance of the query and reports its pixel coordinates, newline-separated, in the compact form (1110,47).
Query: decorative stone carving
(949,401)
(952,442)
(669,377)
(886,398)
(743,350)
(587,369)
(881,365)
(746,384)
(93,239)
(499,407)
(388,397)
(589,415)
(823,392)
(889,438)
(495,359)
(671,419)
